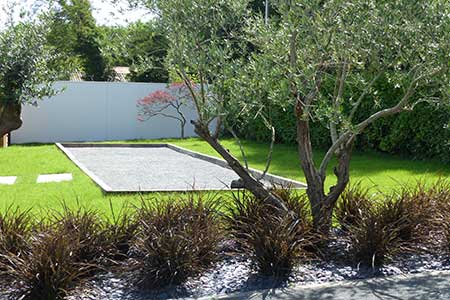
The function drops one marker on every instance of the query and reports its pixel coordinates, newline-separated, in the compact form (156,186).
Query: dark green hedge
(421,133)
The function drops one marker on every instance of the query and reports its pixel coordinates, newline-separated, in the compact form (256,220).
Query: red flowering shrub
(160,102)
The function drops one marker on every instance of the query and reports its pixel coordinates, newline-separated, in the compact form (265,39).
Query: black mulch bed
(234,273)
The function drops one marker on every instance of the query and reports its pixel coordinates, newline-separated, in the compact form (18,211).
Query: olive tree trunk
(249,182)
(322,204)
(10,117)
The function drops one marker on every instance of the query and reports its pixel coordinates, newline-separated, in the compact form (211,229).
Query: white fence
(96,111)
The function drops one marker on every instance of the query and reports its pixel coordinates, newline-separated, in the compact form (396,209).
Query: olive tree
(348,46)
(239,61)
(24,73)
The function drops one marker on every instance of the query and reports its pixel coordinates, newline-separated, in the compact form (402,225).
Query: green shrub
(275,242)
(177,239)
(421,133)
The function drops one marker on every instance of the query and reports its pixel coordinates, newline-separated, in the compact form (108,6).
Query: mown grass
(27,162)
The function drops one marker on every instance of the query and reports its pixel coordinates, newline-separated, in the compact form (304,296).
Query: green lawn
(373,169)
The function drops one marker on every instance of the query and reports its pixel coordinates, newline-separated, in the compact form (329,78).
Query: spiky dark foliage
(274,241)
(443,221)
(396,222)
(410,215)
(120,231)
(418,209)
(296,201)
(15,228)
(441,193)
(353,204)
(374,237)
(49,269)
(87,227)
(178,238)
(446,229)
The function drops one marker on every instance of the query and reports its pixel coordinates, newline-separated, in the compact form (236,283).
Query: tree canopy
(73,31)
(141,46)
(25,75)
(319,60)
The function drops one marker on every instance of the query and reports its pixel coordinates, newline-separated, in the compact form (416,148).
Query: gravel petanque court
(133,168)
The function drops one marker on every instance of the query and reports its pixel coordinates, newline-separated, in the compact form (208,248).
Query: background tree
(158,103)
(423,133)
(141,46)
(24,73)
(75,34)
(259,7)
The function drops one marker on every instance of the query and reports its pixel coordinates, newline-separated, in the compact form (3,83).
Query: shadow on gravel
(436,287)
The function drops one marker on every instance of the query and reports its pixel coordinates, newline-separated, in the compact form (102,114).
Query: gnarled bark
(322,204)
(10,117)
(250,183)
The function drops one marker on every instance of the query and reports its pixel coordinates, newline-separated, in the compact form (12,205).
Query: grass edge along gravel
(28,161)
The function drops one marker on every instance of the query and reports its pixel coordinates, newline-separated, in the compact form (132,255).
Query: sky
(104,12)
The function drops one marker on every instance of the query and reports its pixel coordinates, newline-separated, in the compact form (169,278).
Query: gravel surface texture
(235,273)
(158,169)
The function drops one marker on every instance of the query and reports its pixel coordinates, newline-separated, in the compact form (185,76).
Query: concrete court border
(65,148)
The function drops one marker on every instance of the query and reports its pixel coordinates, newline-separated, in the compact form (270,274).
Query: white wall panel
(95,111)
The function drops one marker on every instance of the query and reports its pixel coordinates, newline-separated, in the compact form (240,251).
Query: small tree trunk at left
(182,126)
(10,117)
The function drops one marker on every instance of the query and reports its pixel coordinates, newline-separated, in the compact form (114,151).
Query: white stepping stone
(45,178)
(8,180)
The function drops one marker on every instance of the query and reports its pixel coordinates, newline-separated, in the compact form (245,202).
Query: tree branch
(250,183)
(269,157)
(187,82)
(349,136)
(218,127)
(202,87)
(241,148)
(337,95)
(166,115)
(363,94)
(327,158)
(318,76)
(399,106)
(152,112)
